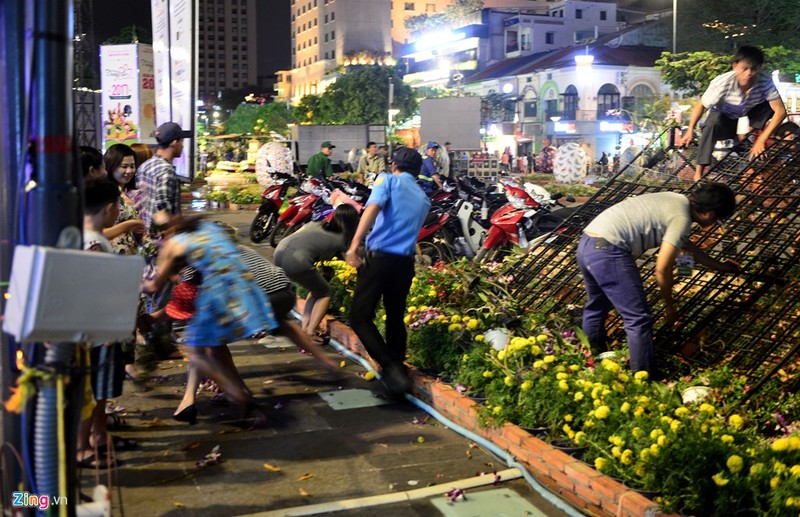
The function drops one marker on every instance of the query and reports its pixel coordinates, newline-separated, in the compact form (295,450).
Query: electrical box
(71,295)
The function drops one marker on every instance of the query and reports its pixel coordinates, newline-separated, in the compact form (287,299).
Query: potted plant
(217,199)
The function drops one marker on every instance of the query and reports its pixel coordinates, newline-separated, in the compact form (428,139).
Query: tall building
(227,46)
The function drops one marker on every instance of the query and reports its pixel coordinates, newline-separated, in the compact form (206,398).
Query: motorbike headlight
(516,201)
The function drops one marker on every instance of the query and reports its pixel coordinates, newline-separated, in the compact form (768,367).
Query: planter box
(569,478)
(236,206)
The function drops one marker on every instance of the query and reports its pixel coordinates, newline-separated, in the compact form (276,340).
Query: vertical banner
(147,95)
(119,83)
(174,65)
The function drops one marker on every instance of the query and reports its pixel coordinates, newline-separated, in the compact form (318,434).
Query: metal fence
(749,321)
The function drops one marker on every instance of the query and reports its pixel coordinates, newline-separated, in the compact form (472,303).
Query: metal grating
(746,321)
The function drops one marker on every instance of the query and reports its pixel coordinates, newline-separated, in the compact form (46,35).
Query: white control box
(72,295)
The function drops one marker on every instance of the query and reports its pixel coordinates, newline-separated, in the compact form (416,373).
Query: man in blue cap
(397,207)
(429,176)
(156,177)
(319,165)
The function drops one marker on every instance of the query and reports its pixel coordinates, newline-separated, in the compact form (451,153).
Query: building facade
(227,56)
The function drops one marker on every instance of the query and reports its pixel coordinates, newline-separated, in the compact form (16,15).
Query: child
(101,202)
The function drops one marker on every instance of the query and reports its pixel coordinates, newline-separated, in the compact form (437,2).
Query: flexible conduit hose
(494,449)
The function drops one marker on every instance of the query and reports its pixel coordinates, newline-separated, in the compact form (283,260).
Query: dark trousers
(720,127)
(612,280)
(388,277)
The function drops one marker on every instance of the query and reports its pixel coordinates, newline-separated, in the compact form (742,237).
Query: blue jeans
(612,280)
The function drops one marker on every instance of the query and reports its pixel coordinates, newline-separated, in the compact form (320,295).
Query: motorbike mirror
(556,196)
(570,199)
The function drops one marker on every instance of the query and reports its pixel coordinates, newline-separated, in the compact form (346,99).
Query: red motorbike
(271,203)
(521,221)
(431,241)
(298,212)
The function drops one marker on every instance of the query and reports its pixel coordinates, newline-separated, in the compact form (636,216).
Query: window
(235,66)
(235,75)
(315,40)
(221,74)
(326,37)
(333,54)
(326,55)
(603,15)
(529,109)
(607,101)
(326,18)
(570,102)
(244,76)
(236,83)
(333,16)
(549,38)
(315,22)
(409,6)
(333,35)
(512,42)
(578,14)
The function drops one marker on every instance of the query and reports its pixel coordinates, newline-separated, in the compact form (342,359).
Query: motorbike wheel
(280,231)
(429,253)
(262,225)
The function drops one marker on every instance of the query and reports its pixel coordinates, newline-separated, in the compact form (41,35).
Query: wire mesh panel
(747,320)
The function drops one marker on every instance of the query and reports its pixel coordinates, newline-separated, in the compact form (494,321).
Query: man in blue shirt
(397,208)
(429,176)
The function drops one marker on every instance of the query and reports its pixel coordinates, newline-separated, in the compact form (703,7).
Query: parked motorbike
(298,212)
(523,220)
(431,243)
(271,202)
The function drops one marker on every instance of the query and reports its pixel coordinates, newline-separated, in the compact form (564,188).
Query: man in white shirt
(744,91)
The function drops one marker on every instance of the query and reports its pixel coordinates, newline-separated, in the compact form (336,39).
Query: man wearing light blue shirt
(395,212)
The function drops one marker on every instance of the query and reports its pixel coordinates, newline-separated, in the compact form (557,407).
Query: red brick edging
(569,478)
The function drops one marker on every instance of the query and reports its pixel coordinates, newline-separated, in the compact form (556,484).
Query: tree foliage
(361,96)
(691,72)
(724,25)
(131,34)
(274,116)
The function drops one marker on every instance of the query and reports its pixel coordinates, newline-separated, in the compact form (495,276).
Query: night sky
(272,18)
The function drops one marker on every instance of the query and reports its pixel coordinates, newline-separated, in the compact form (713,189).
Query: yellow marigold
(675,425)
(525,386)
(465,358)
(472,324)
(574,367)
(508,381)
(704,428)
(726,438)
(501,354)
(597,403)
(625,407)
(639,469)
(644,454)
(627,456)
(662,440)
(719,479)
(643,399)
(641,375)
(563,385)
(616,451)
(600,463)
(681,411)
(455,318)
(479,338)
(488,374)
(596,393)
(535,350)
(538,364)
(496,410)
(519,343)
(616,440)
(795,471)
(589,423)
(774,482)
(638,410)
(655,433)
(566,428)
(541,338)
(580,436)
(605,393)
(778,467)
(549,358)
(666,419)
(561,376)
(609,365)
(735,463)
(705,407)
(602,412)
(407,320)
(790,443)
(793,502)
(756,468)
(453,327)
(637,432)
(568,418)
(736,421)
(655,449)
(623,377)
(431,293)
(441,317)
(578,396)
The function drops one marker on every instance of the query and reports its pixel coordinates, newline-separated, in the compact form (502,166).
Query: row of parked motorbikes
(468,217)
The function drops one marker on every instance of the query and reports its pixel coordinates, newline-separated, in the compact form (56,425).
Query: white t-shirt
(640,223)
(95,241)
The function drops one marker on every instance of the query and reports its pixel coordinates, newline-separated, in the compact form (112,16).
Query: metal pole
(391,121)
(674,26)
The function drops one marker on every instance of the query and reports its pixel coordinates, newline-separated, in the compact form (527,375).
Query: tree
(231,98)
(691,72)
(273,116)
(308,111)
(131,34)
(361,96)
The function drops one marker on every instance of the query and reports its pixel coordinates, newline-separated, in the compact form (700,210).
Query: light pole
(674,26)
(554,120)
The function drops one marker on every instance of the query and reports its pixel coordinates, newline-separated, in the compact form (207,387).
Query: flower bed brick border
(569,478)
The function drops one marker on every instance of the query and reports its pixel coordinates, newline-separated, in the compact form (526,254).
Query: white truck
(306,139)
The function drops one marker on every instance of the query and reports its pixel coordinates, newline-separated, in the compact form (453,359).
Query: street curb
(569,478)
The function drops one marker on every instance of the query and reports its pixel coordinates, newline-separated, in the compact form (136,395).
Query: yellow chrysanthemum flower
(525,386)
(675,425)
(578,396)
(541,338)
(487,374)
(756,468)
(602,412)
(600,463)
(501,354)
(472,324)
(568,418)
(720,480)
(638,410)
(496,410)
(616,440)
(538,364)
(562,376)
(627,456)
(726,438)
(580,436)
(563,385)
(535,350)
(625,407)
(454,327)
(641,375)
(681,411)
(455,318)
(735,463)
(774,482)
(736,421)
(508,381)
(705,407)
(549,359)
(479,338)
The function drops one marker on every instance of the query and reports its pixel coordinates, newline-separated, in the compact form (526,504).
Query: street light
(554,119)
(674,26)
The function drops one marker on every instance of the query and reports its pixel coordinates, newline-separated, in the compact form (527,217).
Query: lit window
(409,6)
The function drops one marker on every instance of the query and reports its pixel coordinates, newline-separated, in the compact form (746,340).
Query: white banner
(119,83)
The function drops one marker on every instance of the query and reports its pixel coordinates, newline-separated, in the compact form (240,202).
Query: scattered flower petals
(155,422)
(469,454)
(342,364)
(473,445)
(279,405)
(460,388)
(190,446)
(303,493)
(212,458)
(413,482)
(268,382)
(179,505)
(420,439)
(306,476)
(369,376)
(420,421)
(456,494)
(271,467)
